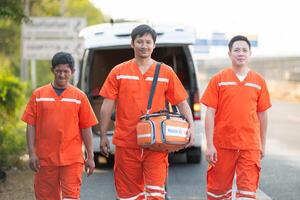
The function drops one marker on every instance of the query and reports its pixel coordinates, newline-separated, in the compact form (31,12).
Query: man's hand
(89,166)
(190,136)
(34,163)
(104,145)
(211,155)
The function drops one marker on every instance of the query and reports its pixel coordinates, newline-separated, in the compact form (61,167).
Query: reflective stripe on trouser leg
(154,192)
(137,197)
(244,198)
(245,195)
(212,196)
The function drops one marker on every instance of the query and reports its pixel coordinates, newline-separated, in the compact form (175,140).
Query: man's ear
(73,70)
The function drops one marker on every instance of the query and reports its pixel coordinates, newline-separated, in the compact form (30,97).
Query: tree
(12,9)
(78,8)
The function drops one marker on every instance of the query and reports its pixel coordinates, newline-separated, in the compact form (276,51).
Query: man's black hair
(63,58)
(142,30)
(238,38)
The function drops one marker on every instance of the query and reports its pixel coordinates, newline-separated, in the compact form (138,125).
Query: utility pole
(62,7)
(24,63)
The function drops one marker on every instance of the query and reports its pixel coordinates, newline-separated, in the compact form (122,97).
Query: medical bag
(163,130)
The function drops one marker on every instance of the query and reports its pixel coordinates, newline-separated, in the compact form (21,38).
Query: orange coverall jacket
(237,103)
(58,121)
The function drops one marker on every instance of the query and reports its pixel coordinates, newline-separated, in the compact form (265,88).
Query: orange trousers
(140,174)
(244,163)
(58,182)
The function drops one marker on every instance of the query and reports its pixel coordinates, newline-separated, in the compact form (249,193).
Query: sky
(275,23)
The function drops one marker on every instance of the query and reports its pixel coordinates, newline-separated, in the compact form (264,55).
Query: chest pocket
(70,108)
(129,86)
(228,90)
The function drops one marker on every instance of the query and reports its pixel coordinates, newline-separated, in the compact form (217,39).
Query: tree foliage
(12,97)
(12,9)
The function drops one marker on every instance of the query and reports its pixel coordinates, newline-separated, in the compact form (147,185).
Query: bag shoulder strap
(153,87)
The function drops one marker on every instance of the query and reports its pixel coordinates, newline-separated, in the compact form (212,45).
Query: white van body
(107,45)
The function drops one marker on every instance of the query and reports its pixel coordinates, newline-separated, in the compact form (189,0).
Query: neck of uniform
(144,64)
(59,87)
(240,70)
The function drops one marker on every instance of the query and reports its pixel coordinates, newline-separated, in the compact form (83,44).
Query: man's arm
(105,113)
(211,152)
(263,120)
(88,143)
(33,159)
(185,110)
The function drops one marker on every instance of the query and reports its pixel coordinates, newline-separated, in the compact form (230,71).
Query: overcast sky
(276,23)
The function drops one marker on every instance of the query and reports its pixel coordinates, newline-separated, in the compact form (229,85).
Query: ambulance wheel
(96,159)
(193,155)
(111,160)
(102,162)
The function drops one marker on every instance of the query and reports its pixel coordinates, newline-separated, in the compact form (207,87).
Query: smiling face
(239,54)
(143,46)
(62,74)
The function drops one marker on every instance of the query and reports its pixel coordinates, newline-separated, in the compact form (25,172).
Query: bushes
(12,138)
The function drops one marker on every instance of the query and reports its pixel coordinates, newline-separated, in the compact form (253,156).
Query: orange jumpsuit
(58,121)
(236,132)
(139,172)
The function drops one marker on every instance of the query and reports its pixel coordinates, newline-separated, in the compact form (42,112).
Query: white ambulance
(107,45)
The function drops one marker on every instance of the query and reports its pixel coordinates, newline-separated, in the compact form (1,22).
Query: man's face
(239,53)
(62,74)
(143,46)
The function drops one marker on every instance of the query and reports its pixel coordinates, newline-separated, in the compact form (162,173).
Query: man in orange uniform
(237,100)
(59,117)
(139,173)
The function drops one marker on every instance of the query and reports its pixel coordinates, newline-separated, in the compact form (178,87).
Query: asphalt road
(280,178)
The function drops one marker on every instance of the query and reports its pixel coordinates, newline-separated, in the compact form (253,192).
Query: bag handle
(153,87)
